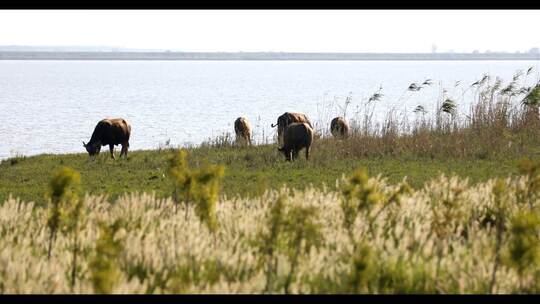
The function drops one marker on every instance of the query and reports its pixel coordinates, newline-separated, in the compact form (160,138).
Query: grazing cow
(286,119)
(297,136)
(339,127)
(242,130)
(109,132)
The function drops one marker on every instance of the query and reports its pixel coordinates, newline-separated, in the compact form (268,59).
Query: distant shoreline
(218,56)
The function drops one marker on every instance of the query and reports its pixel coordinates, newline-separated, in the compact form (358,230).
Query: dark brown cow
(286,119)
(242,130)
(109,132)
(297,136)
(339,127)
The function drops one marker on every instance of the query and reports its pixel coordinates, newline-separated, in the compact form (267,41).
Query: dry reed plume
(369,237)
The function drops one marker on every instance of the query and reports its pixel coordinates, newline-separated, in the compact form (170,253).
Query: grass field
(249,171)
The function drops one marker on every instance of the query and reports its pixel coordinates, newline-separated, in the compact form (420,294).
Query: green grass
(249,171)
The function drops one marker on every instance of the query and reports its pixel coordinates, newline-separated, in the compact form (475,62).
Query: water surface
(52,106)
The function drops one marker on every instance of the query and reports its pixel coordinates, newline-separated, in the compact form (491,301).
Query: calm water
(52,106)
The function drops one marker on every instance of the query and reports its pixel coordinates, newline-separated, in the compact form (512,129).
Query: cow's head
(282,122)
(92,148)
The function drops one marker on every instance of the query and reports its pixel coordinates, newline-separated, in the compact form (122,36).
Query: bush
(199,187)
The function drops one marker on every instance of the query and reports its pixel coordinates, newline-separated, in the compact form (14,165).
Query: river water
(52,106)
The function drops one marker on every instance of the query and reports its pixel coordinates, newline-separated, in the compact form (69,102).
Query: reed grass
(448,237)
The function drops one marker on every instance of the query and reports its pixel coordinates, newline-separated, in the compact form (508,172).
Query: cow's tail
(273,126)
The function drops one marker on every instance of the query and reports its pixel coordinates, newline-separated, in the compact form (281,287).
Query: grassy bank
(502,126)
(249,171)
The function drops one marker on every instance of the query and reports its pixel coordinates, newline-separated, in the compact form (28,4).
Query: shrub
(292,230)
(105,272)
(64,203)
(196,186)
(524,248)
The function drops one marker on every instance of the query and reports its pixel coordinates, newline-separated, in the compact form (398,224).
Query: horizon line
(106,48)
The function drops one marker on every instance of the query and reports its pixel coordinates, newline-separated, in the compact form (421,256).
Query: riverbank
(486,143)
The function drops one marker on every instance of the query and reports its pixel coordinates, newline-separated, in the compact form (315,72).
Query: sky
(277,30)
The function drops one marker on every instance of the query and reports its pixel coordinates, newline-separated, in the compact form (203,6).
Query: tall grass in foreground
(368,237)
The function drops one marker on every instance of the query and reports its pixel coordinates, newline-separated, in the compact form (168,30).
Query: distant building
(434,48)
(476,52)
(534,50)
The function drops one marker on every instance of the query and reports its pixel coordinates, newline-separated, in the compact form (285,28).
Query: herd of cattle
(295,133)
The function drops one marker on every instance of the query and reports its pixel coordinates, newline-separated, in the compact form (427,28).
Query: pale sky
(277,30)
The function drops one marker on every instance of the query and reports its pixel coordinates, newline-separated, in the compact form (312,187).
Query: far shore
(263,56)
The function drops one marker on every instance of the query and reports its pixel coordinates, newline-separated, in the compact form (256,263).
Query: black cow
(286,119)
(109,132)
(297,136)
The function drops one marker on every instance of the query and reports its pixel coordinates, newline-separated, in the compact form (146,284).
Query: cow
(296,136)
(339,127)
(286,119)
(242,130)
(109,131)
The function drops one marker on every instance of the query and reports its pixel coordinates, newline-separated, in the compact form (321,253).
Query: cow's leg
(123,151)
(307,152)
(111,148)
(295,154)
(289,155)
(125,147)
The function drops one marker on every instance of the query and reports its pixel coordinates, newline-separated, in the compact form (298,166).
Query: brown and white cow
(242,130)
(339,127)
